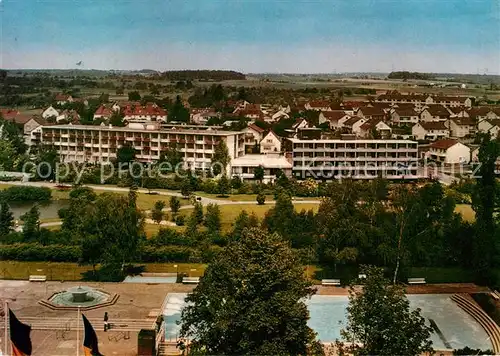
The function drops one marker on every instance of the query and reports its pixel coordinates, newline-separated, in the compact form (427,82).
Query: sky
(253,36)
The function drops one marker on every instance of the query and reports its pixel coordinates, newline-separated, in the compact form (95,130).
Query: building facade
(99,144)
(358,159)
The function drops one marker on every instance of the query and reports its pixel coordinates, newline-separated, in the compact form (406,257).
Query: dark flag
(19,336)
(90,343)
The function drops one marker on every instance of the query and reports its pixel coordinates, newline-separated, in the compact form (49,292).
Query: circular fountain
(80,294)
(82,297)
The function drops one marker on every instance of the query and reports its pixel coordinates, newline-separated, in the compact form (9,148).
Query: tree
(125,154)
(380,322)
(258,173)
(213,219)
(220,158)
(134,96)
(223,186)
(31,227)
(116,119)
(198,212)
(178,112)
(175,205)
(186,189)
(157,213)
(7,155)
(261,198)
(173,156)
(483,202)
(280,218)
(255,310)
(6,218)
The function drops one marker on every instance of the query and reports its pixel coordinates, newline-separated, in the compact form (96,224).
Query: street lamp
(176,271)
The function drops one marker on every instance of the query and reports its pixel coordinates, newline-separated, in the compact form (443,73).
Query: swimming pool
(328,317)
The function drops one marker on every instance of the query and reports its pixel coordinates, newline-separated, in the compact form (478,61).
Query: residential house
(484,113)
(369,113)
(448,151)
(300,123)
(251,111)
(318,105)
(491,126)
(270,143)
(367,129)
(457,112)
(103,112)
(201,116)
(279,115)
(418,100)
(453,101)
(253,136)
(33,129)
(68,116)
(62,99)
(354,124)
(148,112)
(462,127)
(432,130)
(434,113)
(335,119)
(50,112)
(404,116)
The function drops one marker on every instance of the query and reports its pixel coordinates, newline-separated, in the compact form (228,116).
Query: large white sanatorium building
(99,144)
(359,159)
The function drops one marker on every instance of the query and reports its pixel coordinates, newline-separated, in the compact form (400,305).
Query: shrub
(39,252)
(180,220)
(26,193)
(261,199)
(166,253)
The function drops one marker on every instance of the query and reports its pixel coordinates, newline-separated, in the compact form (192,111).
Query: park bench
(35,278)
(330,282)
(190,280)
(416,280)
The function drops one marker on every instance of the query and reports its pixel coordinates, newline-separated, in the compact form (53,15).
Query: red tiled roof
(438,110)
(62,97)
(463,121)
(443,144)
(352,121)
(333,115)
(103,111)
(372,111)
(15,116)
(319,104)
(405,112)
(256,128)
(433,125)
(148,110)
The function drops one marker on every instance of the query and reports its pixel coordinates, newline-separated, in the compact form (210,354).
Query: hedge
(72,253)
(39,252)
(26,193)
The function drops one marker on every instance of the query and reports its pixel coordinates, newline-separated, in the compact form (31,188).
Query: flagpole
(78,333)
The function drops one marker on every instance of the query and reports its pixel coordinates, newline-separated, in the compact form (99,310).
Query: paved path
(203,200)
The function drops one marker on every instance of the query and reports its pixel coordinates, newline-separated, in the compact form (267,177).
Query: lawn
(72,271)
(229,213)
(466,211)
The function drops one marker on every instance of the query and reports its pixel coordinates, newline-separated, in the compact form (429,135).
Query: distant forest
(410,75)
(215,75)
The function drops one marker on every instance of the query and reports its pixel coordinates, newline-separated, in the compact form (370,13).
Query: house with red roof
(318,105)
(433,130)
(490,126)
(462,127)
(62,99)
(270,143)
(448,151)
(146,113)
(103,112)
(334,118)
(366,130)
(253,136)
(370,112)
(404,116)
(434,113)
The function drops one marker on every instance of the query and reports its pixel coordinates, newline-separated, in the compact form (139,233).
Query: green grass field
(67,271)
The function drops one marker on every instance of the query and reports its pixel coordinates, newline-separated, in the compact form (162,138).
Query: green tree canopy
(380,322)
(220,158)
(251,301)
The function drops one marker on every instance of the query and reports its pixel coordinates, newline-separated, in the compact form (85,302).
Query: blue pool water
(328,317)
(148,279)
